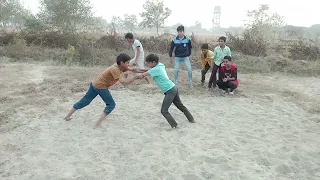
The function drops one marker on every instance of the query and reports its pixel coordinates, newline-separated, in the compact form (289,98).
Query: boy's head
(152,60)
(180,30)
(123,60)
(227,61)
(129,37)
(222,41)
(204,48)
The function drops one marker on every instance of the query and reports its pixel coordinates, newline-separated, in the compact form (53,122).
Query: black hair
(152,58)
(222,38)
(228,57)
(129,36)
(180,28)
(205,46)
(123,57)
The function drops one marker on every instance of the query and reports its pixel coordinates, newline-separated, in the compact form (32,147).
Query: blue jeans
(91,94)
(177,63)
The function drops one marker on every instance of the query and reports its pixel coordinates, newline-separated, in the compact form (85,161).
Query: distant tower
(216,17)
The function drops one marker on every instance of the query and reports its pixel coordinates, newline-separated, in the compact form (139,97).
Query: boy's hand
(208,59)
(139,76)
(225,79)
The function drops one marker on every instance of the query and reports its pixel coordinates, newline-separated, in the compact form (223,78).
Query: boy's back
(160,76)
(107,78)
(137,44)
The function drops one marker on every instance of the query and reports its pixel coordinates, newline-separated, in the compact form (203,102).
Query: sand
(259,133)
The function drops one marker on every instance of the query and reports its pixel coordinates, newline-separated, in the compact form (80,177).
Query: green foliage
(130,22)
(154,14)
(67,16)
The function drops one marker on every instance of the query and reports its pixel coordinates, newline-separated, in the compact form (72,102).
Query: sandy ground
(270,129)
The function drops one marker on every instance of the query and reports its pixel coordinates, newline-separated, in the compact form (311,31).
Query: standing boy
(159,75)
(206,61)
(228,76)
(138,52)
(182,45)
(219,53)
(101,84)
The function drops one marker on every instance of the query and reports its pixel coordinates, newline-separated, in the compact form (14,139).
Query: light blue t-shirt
(160,77)
(219,54)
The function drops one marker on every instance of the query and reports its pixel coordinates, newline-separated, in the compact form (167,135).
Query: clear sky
(187,12)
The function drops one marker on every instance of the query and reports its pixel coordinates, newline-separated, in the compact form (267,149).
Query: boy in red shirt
(228,76)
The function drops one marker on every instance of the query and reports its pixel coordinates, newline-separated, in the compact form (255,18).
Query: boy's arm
(143,75)
(234,76)
(229,52)
(214,54)
(137,55)
(190,47)
(126,81)
(136,70)
(171,48)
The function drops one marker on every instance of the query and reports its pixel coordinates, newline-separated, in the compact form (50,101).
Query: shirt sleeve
(115,73)
(153,71)
(171,48)
(229,52)
(137,43)
(235,74)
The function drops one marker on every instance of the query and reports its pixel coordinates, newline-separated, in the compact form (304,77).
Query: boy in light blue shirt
(219,53)
(158,72)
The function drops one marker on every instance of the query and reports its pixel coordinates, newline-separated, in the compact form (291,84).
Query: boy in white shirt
(138,59)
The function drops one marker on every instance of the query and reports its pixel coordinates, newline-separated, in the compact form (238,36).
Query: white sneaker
(231,92)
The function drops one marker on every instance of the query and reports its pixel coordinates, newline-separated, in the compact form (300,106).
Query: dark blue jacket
(183,47)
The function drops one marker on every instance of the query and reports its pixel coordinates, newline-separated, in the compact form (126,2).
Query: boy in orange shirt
(101,84)
(206,61)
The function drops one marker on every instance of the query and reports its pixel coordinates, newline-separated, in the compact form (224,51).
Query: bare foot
(67,118)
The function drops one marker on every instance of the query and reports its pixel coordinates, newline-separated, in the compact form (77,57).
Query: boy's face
(124,65)
(227,63)
(221,43)
(130,41)
(204,51)
(151,64)
(180,33)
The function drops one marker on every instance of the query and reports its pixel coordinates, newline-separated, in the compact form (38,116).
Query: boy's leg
(232,85)
(176,69)
(187,63)
(222,85)
(204,72)
(167,101)
(177,102)
(110,105)
(213,77)
(86,99)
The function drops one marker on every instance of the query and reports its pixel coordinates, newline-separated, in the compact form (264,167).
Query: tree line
(72,16)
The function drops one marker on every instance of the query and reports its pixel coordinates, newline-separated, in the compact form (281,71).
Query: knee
(163,111)
(82,103)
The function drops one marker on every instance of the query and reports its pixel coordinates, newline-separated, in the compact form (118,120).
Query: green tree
(130,22)
(154,14)
(12,13)
(67,16)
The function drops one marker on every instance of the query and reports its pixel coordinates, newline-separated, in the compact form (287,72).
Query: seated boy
(101,84)
(159,75)
(228,76)
(206,61)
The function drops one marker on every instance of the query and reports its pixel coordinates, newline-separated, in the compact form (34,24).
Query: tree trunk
(158,31)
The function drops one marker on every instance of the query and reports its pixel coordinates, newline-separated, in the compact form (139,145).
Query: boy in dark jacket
(182,45)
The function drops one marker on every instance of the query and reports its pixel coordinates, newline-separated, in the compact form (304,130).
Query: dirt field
(269,129)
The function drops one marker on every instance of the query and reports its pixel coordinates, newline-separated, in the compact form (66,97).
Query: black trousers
(172,96)
(204,72)
(225,85)
(213,77)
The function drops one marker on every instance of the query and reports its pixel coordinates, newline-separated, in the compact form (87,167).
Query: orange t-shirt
(107,78)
